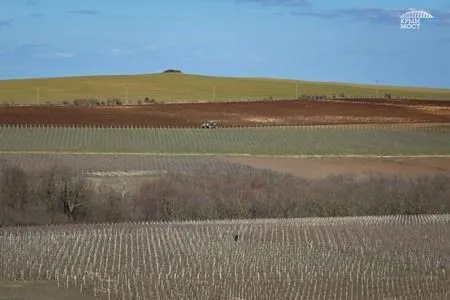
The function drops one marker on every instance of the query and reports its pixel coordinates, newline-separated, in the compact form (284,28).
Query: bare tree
(156,200)
(14,188)
(110,205)
(74,195)
(48,191)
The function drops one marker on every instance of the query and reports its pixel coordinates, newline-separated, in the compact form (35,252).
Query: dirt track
(235,113)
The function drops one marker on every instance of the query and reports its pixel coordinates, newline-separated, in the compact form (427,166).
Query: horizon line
(223,76)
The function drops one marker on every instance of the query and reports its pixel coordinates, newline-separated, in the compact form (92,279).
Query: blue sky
(346,41)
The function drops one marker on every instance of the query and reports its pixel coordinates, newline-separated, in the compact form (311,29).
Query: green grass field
(38,290)
(185,87)
(315,140)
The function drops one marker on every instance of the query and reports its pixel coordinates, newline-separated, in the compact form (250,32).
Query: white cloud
(118,51)
(65,54)
(150,48)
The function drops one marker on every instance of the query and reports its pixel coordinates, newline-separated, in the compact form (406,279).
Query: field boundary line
(355,99)
(346,126)
(235,154)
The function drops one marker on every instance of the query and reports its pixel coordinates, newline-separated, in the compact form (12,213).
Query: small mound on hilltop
(172,71)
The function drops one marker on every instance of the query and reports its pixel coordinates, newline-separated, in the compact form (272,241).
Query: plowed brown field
(231,114)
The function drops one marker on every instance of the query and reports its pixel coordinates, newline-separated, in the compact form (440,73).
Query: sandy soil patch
(322,167)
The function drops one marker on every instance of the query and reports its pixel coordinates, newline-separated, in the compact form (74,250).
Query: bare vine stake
(109,287)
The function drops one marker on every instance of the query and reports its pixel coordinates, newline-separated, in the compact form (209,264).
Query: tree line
(60,195)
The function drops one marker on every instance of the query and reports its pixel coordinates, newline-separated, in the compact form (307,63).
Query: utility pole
(377,88)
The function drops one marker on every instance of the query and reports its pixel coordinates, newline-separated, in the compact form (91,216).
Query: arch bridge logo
(411,20)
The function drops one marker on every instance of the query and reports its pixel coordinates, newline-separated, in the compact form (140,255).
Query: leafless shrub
(14,188)
(108,205)
(86,102)
(270,195)
(73,196)
(47,191)
(60,195)
(114,101)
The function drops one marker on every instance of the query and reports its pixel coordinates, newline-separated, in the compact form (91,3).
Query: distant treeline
(114,101)
(172,71)
(61,196)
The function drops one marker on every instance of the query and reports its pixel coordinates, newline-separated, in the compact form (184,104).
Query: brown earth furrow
(289,112)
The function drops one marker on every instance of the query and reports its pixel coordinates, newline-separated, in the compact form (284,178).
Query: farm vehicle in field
(209,125)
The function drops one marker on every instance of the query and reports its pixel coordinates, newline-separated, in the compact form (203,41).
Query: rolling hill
(176,87)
